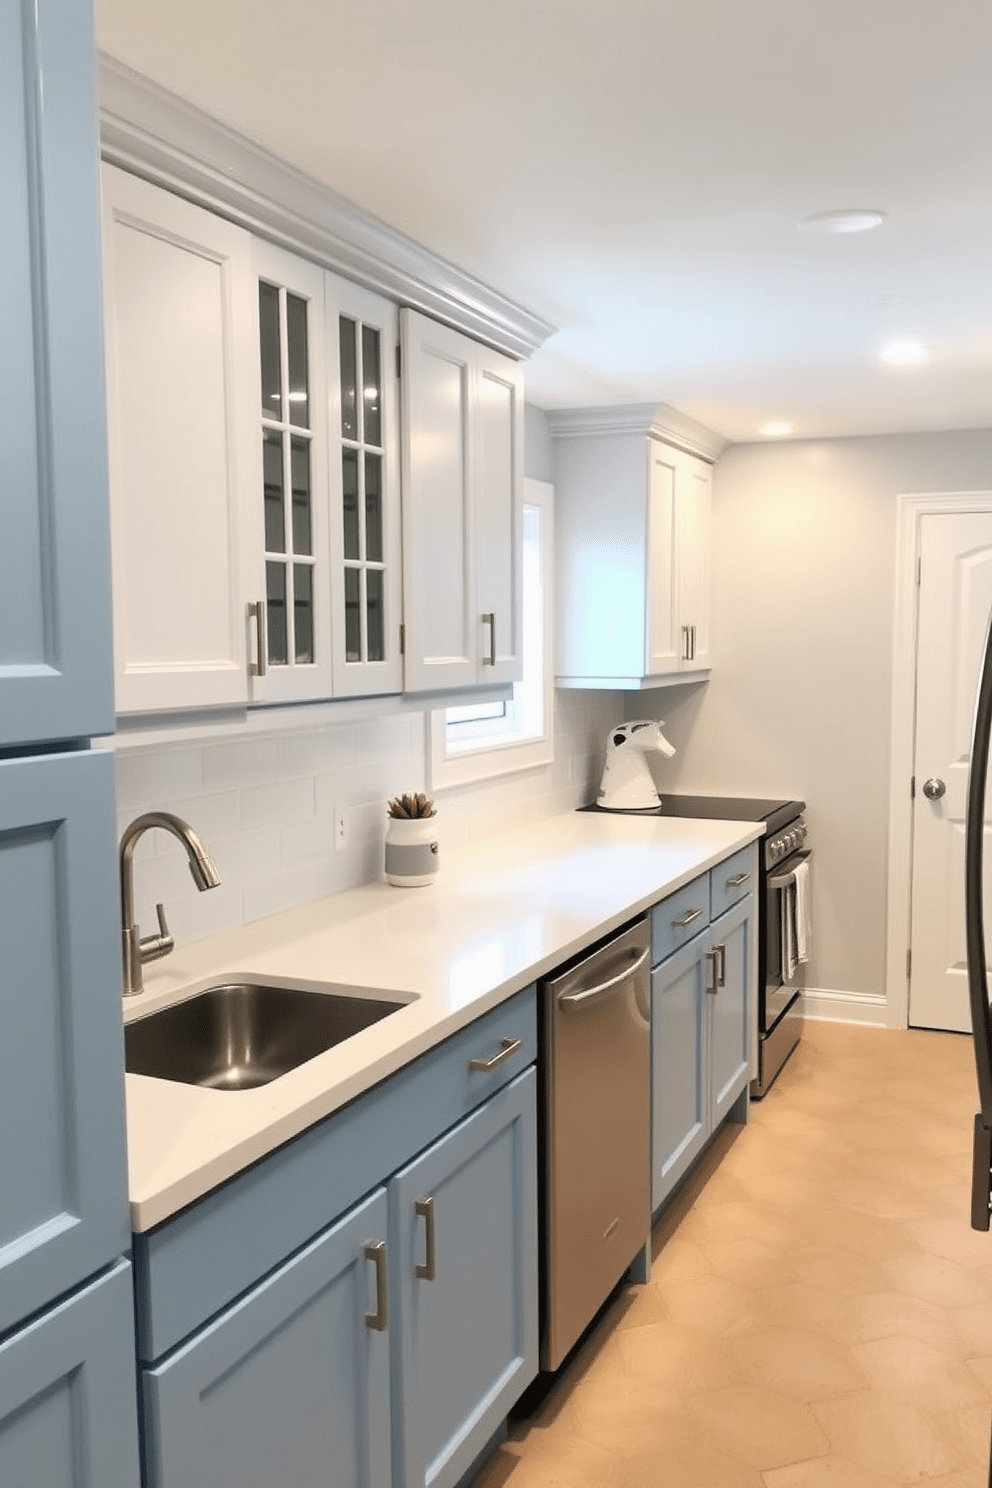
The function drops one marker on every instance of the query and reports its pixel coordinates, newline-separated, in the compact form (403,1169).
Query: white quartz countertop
(500,914)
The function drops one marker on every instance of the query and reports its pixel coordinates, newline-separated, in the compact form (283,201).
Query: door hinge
(909,965)
(912,787)
(399,360)
(402,639)
(919,569)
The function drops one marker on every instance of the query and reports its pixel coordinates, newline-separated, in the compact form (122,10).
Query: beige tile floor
(819,1313)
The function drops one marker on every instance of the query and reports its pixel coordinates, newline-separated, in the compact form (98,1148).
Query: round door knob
(933,788)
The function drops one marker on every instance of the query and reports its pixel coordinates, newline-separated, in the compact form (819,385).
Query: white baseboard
(822,1005)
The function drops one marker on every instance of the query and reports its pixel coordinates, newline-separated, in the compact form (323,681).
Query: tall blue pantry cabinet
(67,1389)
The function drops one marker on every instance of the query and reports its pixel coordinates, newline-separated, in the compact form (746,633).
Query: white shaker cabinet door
(694,488)
(180,382)
(462,419)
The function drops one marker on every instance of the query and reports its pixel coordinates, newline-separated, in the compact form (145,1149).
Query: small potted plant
(411,840)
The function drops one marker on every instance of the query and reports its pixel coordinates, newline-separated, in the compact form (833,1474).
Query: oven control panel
(789,840)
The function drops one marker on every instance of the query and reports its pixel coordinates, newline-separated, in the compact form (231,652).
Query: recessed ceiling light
(777,429)
(904,353)
(848,220)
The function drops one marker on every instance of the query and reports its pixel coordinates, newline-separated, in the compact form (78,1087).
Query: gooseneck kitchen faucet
(204,873)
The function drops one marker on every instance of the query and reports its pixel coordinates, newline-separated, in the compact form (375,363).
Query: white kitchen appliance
(627,783)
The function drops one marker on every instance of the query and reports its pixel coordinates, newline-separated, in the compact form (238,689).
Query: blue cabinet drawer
(203,1258)
(679,917)
(731,880)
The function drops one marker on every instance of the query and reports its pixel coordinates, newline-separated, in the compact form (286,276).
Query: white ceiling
(634,170)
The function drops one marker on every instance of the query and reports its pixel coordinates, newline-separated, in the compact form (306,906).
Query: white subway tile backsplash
(264,805)
(279,802)
(149,775)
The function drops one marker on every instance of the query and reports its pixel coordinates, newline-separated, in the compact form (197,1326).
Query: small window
(474,741)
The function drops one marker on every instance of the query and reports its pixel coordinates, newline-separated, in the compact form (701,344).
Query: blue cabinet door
(55,649)
(67,1406)
(63,1202)
(680,1106)
(288,1388)
(730,1008)
(463,1228)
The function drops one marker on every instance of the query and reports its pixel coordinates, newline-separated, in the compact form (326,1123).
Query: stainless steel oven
(784,946)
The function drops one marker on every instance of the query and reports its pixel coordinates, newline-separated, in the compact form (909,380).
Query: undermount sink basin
(239,1035)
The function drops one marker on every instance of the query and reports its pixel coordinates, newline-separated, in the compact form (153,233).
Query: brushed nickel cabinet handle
(737,880)
(489,618)
(714,986)
(256,612)
(375,1252)
(721,953)
(428,1271)
(507,1048)
(687,919)
(685,644)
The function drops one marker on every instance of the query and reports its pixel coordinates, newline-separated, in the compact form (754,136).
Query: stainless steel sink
(242,1034)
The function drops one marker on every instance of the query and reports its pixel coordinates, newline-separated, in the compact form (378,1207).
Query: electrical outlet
(340,829)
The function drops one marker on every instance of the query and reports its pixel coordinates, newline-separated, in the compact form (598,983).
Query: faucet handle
(155,946)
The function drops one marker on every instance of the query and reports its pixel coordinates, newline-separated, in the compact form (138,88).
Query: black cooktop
(774,814)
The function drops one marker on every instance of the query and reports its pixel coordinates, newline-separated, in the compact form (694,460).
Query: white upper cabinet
(362,336)
(180,354)
(254,465)
(632,552)
(288,602)
(462,456)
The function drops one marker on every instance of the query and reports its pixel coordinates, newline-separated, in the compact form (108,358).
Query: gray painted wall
(799,701)
(537,444)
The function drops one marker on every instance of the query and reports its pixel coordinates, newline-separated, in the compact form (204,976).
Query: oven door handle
(786,880)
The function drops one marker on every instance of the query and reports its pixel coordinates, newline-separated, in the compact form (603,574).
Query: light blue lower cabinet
(731,1013)
(702,1015)
(679,1065)
(463,1231)
(67,1392)
(288,1388)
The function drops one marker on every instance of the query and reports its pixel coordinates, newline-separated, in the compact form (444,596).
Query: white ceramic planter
(411,851)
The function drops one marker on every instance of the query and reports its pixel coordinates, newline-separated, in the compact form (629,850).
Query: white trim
(153,133)
(639,418)
(506,755)
(898,921)
(821,1005)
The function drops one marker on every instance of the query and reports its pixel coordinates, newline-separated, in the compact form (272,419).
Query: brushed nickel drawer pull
(428,1271)
(737,880)
(687,919)
(507,1048)
(375,1252)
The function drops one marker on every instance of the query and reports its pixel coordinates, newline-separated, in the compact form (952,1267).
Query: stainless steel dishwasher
(596,1198)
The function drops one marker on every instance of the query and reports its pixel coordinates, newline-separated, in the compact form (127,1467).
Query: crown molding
(656,419)
(151,132)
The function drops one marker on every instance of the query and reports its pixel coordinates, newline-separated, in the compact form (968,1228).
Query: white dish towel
(796,922)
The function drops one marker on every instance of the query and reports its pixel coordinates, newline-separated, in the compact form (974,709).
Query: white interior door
(955,597)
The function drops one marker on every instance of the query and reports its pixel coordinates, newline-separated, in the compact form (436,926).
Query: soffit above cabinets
(153,133)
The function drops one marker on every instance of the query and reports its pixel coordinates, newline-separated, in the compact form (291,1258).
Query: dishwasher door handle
(572,1001)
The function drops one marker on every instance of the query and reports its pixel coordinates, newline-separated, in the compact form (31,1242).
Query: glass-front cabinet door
(288,608)
(361,332)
